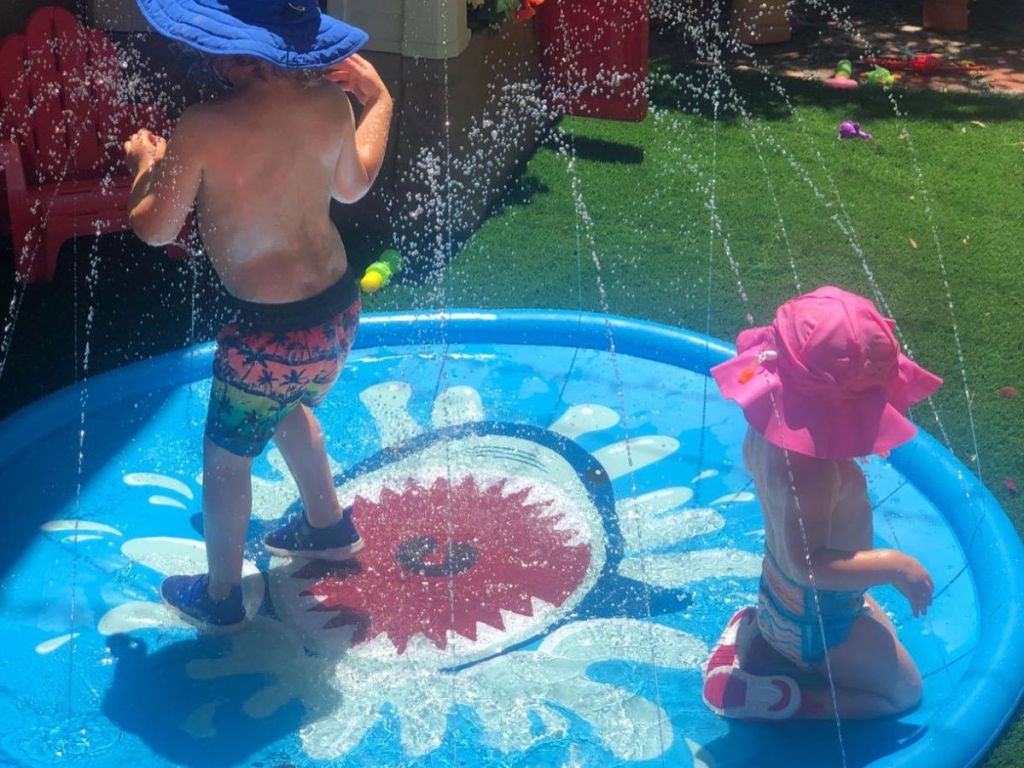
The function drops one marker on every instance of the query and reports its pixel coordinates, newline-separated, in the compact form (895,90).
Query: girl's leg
(872,674)
(227,504)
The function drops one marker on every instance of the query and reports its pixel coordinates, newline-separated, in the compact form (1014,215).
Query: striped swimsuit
(787,615)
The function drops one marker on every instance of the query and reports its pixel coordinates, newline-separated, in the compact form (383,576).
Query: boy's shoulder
(194,128)
(203,112)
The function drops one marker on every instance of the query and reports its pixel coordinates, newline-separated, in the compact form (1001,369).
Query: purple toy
(851,130)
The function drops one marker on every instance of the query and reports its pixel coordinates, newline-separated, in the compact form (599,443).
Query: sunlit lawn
(929,211)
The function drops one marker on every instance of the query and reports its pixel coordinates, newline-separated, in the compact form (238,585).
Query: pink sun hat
(826,378)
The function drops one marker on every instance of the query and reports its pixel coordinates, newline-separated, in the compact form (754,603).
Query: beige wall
(488,95)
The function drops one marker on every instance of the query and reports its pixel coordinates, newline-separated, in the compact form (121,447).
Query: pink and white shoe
(731,692)
(726,650)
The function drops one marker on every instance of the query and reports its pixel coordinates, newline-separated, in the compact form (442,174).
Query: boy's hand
(143,149)
(357,76)
(916,585)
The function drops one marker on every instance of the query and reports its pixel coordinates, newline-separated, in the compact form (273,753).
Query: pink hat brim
(842,429)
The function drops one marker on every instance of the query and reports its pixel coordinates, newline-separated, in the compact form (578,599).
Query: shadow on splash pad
(555,534)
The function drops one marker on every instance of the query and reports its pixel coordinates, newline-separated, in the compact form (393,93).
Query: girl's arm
(813,564)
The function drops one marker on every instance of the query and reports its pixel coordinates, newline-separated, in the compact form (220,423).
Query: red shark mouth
(441,559)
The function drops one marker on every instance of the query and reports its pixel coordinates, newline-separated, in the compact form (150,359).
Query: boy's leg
(227,505)
(301,441)
(213,601)
(324,531)
(872,673)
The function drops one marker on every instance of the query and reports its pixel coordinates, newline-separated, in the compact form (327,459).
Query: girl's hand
(916,585)
(357,76)
(143,149)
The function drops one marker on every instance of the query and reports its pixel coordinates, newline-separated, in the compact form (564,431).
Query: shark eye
(418,555)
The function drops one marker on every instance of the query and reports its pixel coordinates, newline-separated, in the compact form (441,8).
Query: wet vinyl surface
(533,591)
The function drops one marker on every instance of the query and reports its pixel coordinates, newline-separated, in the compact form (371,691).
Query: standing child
(262,163)
(823,385)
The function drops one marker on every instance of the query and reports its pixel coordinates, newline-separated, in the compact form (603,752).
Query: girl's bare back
(840,498)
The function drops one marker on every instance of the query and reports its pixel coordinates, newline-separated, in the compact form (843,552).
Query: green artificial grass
(933,199)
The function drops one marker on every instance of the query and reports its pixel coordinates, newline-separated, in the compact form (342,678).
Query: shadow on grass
(126,301)
(602,151)
(518,192)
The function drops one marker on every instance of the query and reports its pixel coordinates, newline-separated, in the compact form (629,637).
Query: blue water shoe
(188,597)
(297,538)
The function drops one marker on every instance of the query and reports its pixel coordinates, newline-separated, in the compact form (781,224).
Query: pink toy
(851,130)
(843,78)
(844,83)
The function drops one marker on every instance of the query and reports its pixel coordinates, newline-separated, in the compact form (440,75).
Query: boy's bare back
(262,164)
(268,159)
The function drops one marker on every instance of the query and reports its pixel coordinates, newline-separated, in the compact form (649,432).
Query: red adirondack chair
(61,132)
(595,56)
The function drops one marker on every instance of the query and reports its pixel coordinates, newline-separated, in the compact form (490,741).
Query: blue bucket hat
(292,34)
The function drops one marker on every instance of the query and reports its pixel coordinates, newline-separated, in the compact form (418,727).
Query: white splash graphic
(271,497)
(159,481)
(166,501)
(583,419)
(734,498)
(81,526)
(632,455)
(457,405)
(51,645)
(199,724)
(519,698)
(387,404)
(171,556)
(132,616)
(705,475)
(684,569)
(506,690)
(660,519)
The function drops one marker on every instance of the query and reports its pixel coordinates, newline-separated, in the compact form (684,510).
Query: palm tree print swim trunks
(273,358)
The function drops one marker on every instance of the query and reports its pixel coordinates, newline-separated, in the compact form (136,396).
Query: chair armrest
(13,167)
(15,182)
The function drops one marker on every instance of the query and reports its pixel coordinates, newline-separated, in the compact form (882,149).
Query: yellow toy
(379,273)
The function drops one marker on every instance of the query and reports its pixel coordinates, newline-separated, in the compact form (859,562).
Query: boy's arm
(817,485)
(167,177)
(363,146)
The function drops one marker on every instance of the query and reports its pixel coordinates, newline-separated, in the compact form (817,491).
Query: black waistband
(297,315)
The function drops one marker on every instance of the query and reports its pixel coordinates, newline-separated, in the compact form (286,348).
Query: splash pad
(555,534)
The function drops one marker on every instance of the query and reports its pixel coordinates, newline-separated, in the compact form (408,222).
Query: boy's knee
(215,457)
